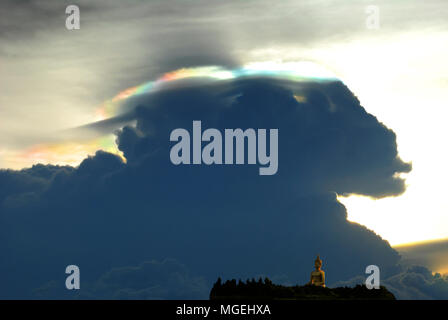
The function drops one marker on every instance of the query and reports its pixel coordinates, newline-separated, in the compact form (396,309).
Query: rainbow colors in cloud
(73,152)
(294,71)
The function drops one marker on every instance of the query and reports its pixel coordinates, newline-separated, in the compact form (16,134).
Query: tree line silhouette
(266,289)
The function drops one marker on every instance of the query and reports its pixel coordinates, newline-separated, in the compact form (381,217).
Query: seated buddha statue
(318,275)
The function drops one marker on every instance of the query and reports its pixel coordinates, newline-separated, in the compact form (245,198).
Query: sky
(54,80)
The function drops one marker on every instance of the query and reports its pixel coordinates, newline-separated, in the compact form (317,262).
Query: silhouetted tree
(267,290)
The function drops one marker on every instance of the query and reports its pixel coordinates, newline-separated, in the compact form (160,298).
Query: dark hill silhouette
(266,290)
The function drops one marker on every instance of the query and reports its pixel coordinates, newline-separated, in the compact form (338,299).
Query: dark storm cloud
(151,280)
(418,283)
(166,279)
(432,254)
(330,141)
(216,220)
(225,221)
(413,282)
(28,181)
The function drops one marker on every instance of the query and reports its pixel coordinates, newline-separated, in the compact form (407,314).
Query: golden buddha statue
(318,275)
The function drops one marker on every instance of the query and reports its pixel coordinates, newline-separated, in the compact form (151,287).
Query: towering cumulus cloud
(119,221)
